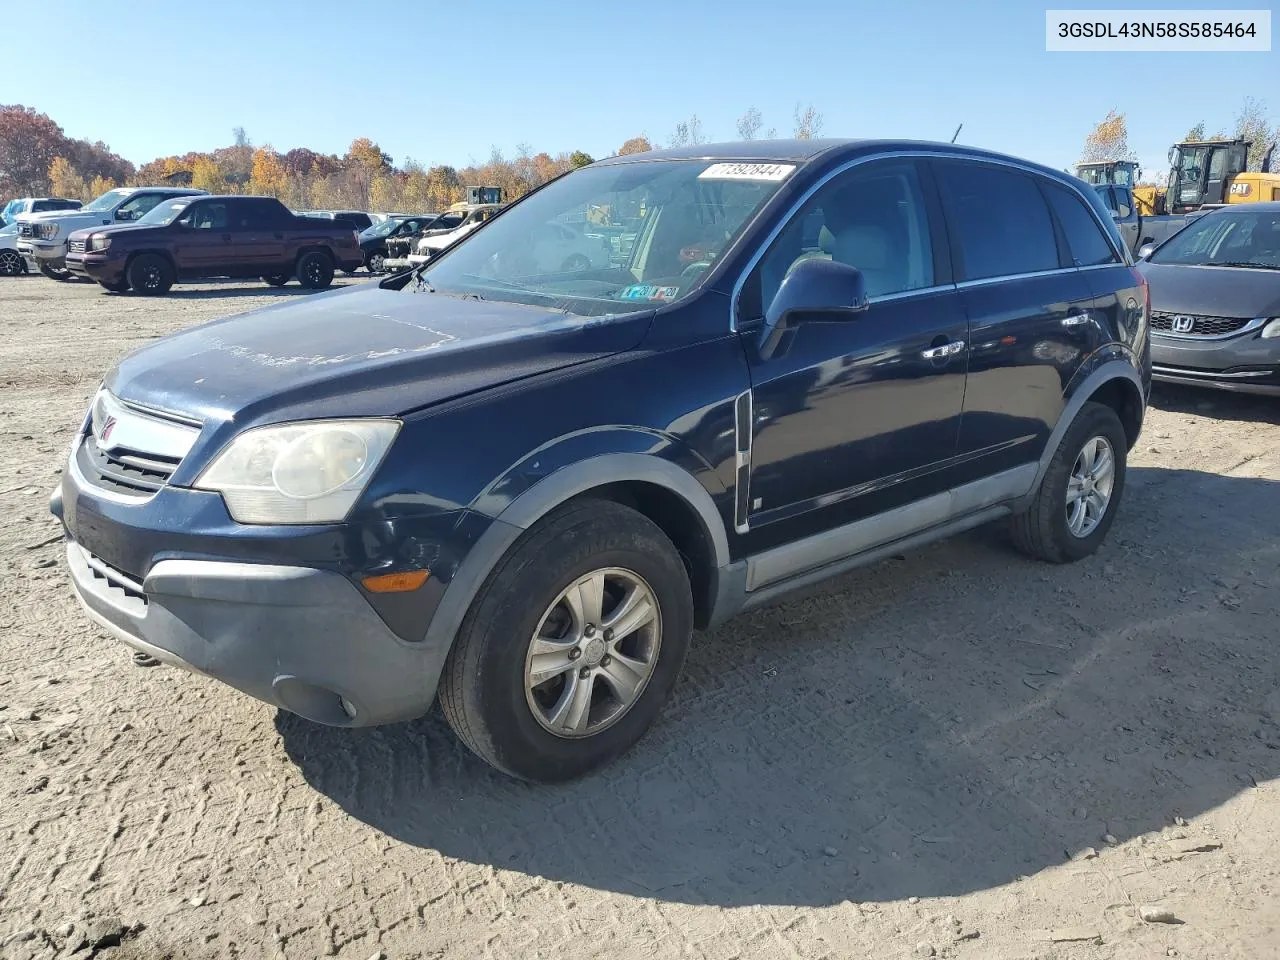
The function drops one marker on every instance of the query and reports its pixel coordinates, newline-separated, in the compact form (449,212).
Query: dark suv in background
(188,238)
(524,486)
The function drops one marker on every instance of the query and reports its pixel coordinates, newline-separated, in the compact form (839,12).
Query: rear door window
(1086,243)
(998,219)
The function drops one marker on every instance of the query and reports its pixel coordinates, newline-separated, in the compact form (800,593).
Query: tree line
(37,159)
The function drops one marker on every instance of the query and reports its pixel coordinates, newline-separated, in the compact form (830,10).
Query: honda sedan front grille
(1191,325)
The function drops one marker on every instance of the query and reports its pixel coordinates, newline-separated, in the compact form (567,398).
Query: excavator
(1216,172)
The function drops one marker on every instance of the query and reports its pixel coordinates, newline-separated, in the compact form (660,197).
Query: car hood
(114,229)
(55,215)
(362,351)
(1213,291)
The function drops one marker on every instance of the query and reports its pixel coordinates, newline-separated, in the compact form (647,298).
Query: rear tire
(531,610)
(12,264)
(315,270)
(150,274)
(53,273)
(1079,494)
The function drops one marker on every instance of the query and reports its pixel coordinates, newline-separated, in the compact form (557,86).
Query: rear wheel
(54,273)
(277,279)
(12,264)
(150,274)
(376,261)
(315,270)
(572,645)
(1078,497)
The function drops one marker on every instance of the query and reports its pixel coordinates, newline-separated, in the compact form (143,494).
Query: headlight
(99,242)
(48,230)
(1272,330)
(299,472)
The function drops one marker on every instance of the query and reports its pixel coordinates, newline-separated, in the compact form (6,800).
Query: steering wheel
(695,268)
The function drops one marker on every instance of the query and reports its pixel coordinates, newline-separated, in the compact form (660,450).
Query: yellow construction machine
(1216,172)
(1124,173)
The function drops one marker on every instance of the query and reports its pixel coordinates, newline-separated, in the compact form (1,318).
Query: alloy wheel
(1089,486)
(593,652)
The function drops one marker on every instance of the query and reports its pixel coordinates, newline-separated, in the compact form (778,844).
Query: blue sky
(153,78)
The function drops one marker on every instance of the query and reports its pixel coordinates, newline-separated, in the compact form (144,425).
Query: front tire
(572,646)
(315,270)
(12,264)
(53,273)
(1080,493)
(150,274)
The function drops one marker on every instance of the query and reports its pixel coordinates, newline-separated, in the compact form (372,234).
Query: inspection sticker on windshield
(747,171)
(643,291)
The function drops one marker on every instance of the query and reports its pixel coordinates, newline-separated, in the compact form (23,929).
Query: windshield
(12,209)
(627,236)
(383,229)
(163,214)
(107,201)
(1226,240)
(8,229)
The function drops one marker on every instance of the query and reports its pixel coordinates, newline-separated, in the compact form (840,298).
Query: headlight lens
(99,242)
(1272,330)
(299,472)
(48,230)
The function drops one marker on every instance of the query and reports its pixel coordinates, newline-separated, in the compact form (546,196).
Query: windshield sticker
(643,291)
(747,171)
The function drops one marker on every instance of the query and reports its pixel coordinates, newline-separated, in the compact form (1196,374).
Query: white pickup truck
(42,237)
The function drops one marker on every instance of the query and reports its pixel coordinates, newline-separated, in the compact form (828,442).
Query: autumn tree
(749,124)
(66,181)
(580,159)
(1109,140)
(1253,124)
(205,175)
(808,123)
(267,177)
(1196,132)
(29,142)
(635,145)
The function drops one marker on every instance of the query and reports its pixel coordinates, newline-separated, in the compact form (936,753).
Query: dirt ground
(957,753)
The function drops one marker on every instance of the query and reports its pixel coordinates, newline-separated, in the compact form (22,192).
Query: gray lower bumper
(298,638)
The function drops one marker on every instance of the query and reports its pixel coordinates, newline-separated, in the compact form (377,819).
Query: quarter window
(998,220)
(872,217)
(1085,240)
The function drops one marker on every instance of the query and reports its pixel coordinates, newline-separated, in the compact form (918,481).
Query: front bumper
(52,253)
(1243,364)
(102,267)
(244,607)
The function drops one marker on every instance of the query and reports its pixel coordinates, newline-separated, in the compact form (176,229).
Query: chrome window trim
(1005,277)
(1249,327)
(813,188)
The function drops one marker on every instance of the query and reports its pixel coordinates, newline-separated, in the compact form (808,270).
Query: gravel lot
(957,753)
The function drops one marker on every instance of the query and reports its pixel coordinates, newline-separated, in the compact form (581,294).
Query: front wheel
(12,264)
(376,261)
(1080,492)
(315,270)
(54,273)
(150,275)
(572,645)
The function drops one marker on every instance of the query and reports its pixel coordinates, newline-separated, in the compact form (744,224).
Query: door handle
(1075,319)
(944,351)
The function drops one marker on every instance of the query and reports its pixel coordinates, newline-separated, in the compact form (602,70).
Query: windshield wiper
(1245,263)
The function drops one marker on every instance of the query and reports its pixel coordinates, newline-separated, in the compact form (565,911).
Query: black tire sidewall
(166,274)
(1095,420)
(520,744)
(326,270)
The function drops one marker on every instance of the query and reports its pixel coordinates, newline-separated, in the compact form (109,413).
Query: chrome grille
(129,450)
(76,246)
(1200,326)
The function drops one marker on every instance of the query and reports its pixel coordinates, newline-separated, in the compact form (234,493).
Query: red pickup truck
(189,238)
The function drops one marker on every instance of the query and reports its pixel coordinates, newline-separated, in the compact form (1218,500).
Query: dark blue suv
(657,392)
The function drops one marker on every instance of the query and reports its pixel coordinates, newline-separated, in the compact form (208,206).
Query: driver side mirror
(814,291)
(124,215)
(1146,250)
